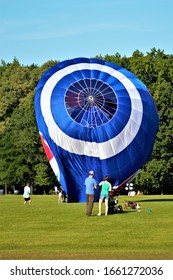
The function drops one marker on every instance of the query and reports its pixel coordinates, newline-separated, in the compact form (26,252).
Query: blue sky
(35,31)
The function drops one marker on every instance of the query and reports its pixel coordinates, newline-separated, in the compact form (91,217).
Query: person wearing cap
(91,185)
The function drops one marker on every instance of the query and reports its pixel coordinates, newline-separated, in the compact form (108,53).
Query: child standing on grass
(104,195)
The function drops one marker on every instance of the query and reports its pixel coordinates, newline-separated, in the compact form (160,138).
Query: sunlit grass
(50,230)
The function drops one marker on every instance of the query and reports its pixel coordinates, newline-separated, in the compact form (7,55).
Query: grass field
(52,231)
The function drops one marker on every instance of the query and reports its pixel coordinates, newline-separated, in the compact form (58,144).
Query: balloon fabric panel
(94,115)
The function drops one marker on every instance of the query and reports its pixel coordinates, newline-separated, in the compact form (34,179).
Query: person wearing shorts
(104,194)
(26,194)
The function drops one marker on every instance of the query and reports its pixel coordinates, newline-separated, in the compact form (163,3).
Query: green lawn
(52,231)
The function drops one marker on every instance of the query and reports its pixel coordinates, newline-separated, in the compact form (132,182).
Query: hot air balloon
(94,115)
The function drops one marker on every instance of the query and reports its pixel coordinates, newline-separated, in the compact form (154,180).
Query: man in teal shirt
(91,185)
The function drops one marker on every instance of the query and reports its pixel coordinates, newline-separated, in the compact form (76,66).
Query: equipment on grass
(113,206)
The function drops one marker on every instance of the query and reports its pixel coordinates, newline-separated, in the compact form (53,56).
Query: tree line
(22,158)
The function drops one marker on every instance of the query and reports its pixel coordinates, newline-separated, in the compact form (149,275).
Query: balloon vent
(90,102)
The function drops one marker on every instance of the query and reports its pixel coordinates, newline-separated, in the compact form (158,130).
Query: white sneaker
(98,214)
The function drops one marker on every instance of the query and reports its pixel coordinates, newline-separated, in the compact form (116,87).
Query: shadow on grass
(109,214)
(156,200)
(119,213)
(132,211)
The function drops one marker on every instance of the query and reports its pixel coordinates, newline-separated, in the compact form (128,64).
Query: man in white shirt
(26,194)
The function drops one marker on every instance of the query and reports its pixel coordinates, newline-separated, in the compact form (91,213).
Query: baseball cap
(91,172)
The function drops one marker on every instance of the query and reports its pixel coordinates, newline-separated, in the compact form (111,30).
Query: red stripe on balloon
(46,148)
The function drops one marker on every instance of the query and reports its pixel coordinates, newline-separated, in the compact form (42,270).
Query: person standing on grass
(104,194)
(91,185)
(60,194)
(26,194)
(56,189)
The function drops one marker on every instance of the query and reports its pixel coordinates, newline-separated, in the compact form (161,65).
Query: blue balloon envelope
(94,115)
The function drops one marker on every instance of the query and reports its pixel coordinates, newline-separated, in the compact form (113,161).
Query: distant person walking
(60,194)
(56,189)
(60,191)
(91,185)
(26,194)
(104,194)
